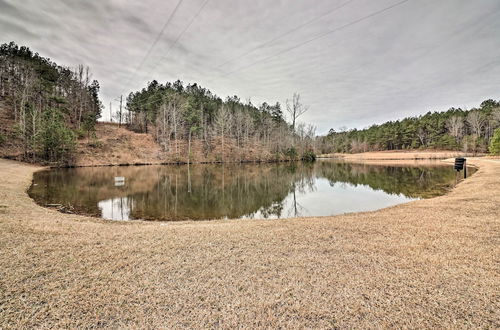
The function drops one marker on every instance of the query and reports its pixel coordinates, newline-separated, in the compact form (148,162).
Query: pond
(236,191)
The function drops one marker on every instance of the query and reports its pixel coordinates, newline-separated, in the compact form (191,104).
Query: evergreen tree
(494,147)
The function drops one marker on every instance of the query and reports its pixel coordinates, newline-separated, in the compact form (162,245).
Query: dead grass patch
(426,264)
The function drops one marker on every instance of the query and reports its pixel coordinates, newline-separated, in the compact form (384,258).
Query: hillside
(118,145)
(43,106)
(10,146)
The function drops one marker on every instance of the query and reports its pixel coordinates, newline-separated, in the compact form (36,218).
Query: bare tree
(163,126)
(176,106)
(295,108)
(222,121)
(248,127)
(476,121)
(495,114)
(493,122)
(422,135)
(455,126)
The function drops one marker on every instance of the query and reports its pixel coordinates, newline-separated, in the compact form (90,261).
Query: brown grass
(118,145)
(426,264)
(398,155)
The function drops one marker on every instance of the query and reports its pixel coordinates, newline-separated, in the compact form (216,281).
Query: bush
(291,153)
(55,142)
(308,156)
(2,139)
(494,147)
(79,133)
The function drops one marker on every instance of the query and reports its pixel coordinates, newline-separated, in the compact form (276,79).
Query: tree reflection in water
(238,190)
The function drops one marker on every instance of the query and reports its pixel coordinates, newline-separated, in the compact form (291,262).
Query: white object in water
(119,181)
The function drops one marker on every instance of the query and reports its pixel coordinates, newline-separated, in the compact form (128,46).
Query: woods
(454,129)
(49,105)
(173,112)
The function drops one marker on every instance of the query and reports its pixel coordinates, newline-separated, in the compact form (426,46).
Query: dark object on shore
(460,164)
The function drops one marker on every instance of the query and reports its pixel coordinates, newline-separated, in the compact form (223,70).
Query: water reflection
(116,208)
(238,191)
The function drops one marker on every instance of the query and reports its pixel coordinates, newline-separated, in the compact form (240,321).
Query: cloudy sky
(354,62)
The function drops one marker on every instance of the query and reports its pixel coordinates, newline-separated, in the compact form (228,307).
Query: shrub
(79,133)
(55,142)
(2,139)
(308,156)
(291,153)
(494,147)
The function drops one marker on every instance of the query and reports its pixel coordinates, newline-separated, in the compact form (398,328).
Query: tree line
(173,113)
(50,105)
(455,129)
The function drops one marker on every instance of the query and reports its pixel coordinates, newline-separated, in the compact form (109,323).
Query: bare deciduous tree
(222,122)
(422,135)
(476,121)
(295,108)
(455,126)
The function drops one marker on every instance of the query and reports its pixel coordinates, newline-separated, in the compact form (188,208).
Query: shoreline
(427,263)
(68,209)
(401,155)
(396,163)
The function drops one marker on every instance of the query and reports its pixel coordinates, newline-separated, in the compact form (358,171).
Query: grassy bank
(399,155)
(430,263)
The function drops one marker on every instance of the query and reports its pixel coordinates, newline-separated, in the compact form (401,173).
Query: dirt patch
(426,264)
(118,145)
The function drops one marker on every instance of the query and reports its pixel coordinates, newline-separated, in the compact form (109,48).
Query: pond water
(198,192)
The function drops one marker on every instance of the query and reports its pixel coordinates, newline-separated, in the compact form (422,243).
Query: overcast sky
(354,62)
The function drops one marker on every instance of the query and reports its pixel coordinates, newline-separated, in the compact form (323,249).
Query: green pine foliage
(34,88)
(174,112)
(494,147)
(54,142)
(454,129)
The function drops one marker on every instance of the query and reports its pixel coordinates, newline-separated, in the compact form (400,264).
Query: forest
(470,130)
(173,112)
(49,106)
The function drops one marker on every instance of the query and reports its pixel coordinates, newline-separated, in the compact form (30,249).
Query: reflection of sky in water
(115,208)
(318,199)
(238,191)
(323,200)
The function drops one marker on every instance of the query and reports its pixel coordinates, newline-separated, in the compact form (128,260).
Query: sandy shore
(426,264)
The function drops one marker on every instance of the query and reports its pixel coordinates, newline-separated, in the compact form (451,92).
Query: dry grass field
(398,155)
(427,264)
